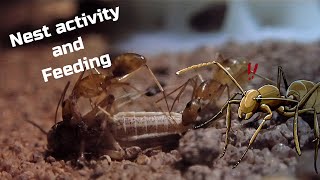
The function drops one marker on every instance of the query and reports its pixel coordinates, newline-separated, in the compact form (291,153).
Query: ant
(84,132)
(208,91)
(100,132)
(302,96)
(120,136)
(94,85)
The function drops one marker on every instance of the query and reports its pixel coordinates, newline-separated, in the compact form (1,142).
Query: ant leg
(161,89)
(96,70)
(91,103)
(294,114)
(153,77)
(155,80)
(284,79)
(228,90)
(228,125)
(265,78)
(114,84)
(159,86)
(200,77)
(106,103)
(295,129)
(117,153)
(250,142)
(61,100)
(281,74)
(295,132)
(123,100)
(279,78)
(220,112)
(317,139)
(264,108)
(195,85)
(183,87)
(291,113)
(228,120)
(122,84)
(295,123)
(193,79)
(306,97)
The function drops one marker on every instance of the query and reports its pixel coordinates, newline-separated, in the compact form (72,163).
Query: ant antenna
(37,126)
(209,64)
(106,112)
(159,86)
(61,99)
(279,99)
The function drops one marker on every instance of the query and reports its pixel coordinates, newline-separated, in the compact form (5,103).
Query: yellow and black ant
(301,97)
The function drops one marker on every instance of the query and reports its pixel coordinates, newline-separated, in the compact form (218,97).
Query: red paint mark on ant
(254,70)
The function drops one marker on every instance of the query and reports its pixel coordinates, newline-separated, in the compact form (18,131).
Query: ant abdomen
(127,63)
(209,90)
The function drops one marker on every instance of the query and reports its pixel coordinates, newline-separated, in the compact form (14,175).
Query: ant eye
(199,110)
(188,104)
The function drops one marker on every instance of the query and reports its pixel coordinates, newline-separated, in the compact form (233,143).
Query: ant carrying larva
(98,131)
(101,133)
(94,85)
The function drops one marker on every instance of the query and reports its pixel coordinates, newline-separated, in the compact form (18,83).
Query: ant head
(248,104)
(191,111)
(127,63)
(91,85)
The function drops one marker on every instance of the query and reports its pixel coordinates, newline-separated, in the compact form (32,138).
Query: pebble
(200,146)
(142,159)
(199,172)
(282,151)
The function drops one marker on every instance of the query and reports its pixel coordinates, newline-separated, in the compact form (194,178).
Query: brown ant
(208,91)
(87,132)
(107,134)
(100,133)
(301,97)
(94,85)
